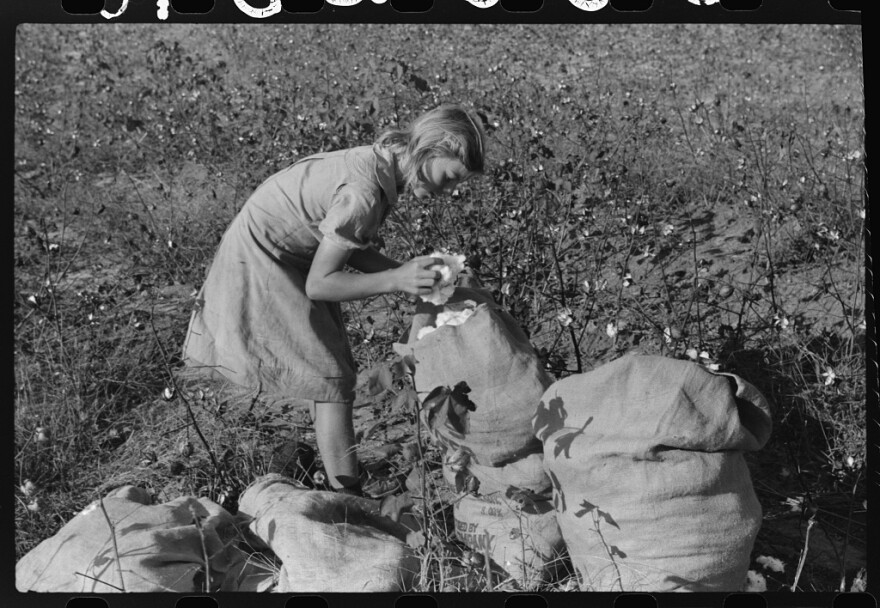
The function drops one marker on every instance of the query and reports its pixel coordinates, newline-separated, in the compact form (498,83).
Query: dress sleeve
(354,216)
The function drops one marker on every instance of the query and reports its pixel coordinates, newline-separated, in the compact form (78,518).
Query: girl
(269,314)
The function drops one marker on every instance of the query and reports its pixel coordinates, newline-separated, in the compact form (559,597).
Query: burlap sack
(160,548)
(492,355)
(523,539)
(328,542)
(650,483)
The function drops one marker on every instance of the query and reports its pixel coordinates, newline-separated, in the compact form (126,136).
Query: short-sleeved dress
(253,322)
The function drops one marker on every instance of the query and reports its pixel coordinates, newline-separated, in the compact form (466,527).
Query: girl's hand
(414,278)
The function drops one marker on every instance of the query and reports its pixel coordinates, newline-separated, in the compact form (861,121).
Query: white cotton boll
(445,272)
(424,332)
(449,317)
(454,317)
(91,507)
(771,563)
(755,582)
(449,270)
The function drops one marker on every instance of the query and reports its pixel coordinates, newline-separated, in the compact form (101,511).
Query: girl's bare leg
(334,428)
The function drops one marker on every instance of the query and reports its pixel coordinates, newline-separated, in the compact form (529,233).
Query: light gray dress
(253,322)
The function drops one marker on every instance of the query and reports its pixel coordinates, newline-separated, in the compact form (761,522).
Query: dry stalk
(201,532)
(846,537)
(97,580)
(422,474)
(422,468)
(684,128)
(522,538)
(564,303)
(619,579)
(115,545)
(488,562)
(695,296)
(186,402)
(803,557)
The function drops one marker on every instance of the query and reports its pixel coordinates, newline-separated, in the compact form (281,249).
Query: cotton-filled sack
(326,541)
(522,538)
(491,354)
(650,482)
(159,547)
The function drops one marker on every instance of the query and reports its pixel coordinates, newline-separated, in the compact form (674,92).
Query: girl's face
(443,175)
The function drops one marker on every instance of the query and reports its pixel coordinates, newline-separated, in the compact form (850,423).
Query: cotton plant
(703,358)
(449,269)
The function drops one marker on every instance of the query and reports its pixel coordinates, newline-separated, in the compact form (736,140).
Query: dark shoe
(353,491)
(380,487)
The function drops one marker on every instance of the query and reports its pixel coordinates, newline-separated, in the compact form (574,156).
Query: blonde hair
(448,130)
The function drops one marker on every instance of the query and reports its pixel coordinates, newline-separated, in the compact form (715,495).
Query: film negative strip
(662,211)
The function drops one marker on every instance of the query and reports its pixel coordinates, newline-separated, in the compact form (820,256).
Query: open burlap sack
(328,542)
(650,483)
(160,548)
(491,354)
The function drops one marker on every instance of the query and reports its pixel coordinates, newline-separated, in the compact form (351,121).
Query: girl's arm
(328,281)
(370,260)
